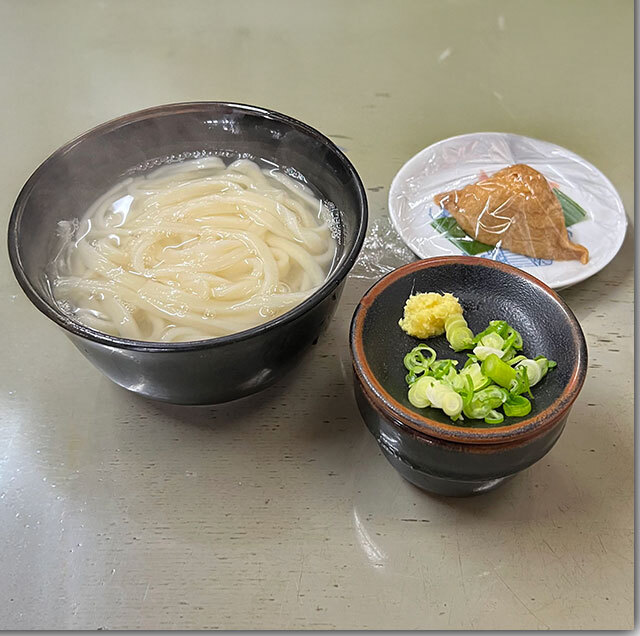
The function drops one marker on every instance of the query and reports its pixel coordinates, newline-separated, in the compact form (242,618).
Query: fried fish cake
(517,210)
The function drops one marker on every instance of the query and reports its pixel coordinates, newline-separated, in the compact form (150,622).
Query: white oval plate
(455,162)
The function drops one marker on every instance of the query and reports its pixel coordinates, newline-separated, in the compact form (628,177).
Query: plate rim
(566,282)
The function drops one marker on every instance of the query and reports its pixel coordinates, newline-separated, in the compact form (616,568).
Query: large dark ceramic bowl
(423,444)
(207,371)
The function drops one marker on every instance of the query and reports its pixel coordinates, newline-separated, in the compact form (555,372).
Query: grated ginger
(424,314)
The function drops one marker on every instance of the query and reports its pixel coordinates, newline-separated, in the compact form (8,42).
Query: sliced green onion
(471,359)
(415,357)
(458,333)
(418,392)
(509,341)
(467,392)
(452,404)
(484,401)
(500,372)
(494,394)
(442,396)
(416,363)
(517,406)
(463,384)
(417,399)
(493,340)
(494,375)
(521,383)
(450,377)
(443,369)
(459,383)
(514,338)
(544,364)
(483,352)
(535,371)
(495,326)
(494,417)
(479,379)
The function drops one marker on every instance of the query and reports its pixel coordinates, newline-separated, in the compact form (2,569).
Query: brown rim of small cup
(525,428)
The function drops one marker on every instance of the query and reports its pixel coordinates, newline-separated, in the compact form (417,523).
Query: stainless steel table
(279,511)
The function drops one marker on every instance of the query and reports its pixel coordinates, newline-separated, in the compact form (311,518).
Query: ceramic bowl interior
(487,291)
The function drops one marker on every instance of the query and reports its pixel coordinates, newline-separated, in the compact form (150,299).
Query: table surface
(279,511)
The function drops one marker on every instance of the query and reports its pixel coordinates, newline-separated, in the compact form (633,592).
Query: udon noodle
(194,250)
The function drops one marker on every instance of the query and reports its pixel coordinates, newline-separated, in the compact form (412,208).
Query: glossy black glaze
(209,371)
(450,468)
(423,444)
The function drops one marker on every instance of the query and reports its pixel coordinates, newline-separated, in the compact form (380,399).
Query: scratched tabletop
(278,511)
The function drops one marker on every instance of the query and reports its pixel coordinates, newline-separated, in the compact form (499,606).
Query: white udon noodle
(192,251)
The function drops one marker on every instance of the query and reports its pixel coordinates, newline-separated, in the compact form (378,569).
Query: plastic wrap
(382,252)
(581,208)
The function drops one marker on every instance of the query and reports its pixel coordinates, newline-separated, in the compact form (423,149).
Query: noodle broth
(194,250)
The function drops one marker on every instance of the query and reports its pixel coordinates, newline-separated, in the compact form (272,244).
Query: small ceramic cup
(424,445)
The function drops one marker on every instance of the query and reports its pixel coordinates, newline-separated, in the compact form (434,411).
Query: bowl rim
(78,329)
(525,428)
